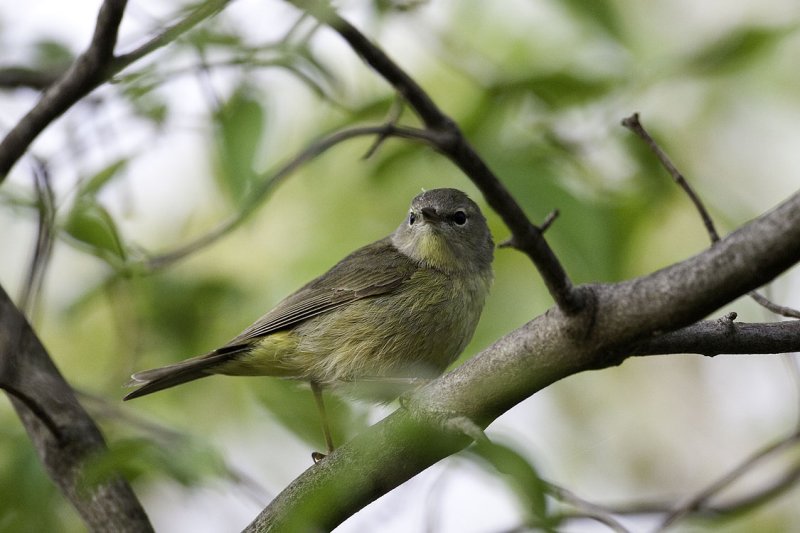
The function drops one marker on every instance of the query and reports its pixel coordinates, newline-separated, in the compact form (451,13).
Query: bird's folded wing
(376,269)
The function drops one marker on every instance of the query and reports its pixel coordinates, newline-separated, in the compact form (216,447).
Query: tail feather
(157,379)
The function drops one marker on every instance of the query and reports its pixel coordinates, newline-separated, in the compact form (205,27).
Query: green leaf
(521,476)
(736,49)
(185,461)
(93,227)
(240,126)
(93,185)
(558,89)
(294,406)
(203,37)
(52,54)
(601,13)
(181,310)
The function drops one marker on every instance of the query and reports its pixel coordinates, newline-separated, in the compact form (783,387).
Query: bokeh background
(184,140)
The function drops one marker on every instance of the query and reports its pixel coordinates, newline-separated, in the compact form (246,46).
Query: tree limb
(715,337)
(64,435)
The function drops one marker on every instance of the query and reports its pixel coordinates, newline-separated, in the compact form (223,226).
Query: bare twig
(773,307)
(395,112)
(45,207)
(586,509)
(451,142)
(701,499)
(270,181)
(548,220)
(634,124)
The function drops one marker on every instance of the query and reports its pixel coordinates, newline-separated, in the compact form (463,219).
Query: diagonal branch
(91,69)
(203,11)
(700,500)
(451,142)
(633,124)
(64,435)
(86,73)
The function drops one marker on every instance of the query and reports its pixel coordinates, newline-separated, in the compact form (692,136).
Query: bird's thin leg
(326,430)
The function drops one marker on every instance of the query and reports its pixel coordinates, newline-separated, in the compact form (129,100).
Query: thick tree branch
(547,349)
(451,142)
(64,435)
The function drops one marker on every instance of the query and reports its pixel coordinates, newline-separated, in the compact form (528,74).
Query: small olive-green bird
(401,308)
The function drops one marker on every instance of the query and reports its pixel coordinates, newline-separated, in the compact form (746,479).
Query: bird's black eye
(459,217)
(411,219)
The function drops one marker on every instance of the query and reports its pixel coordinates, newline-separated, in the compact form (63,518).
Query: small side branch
(634,124)
(700,500)
(714,337)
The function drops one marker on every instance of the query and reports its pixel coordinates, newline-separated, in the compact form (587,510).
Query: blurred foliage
(241,125)
(538,87)
(524,480)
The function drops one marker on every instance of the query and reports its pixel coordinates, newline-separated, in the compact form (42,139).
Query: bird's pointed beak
(429,214)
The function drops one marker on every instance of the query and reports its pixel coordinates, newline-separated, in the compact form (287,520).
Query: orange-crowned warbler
(401,308)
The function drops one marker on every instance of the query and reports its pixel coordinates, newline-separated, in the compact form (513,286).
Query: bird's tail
(157,379)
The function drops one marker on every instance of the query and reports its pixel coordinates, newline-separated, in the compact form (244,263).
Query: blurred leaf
(30,500)
(206,35)
(90,225)
(600,13)
(294,406)
(182,310)
(185,461)
(93,185)
(736,49)
(140,90)
(240,123)
(93,227)
(558,89)
(151,108)
(522,477)
(52,54)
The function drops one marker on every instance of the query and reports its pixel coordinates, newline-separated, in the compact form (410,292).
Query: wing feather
(376,269)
